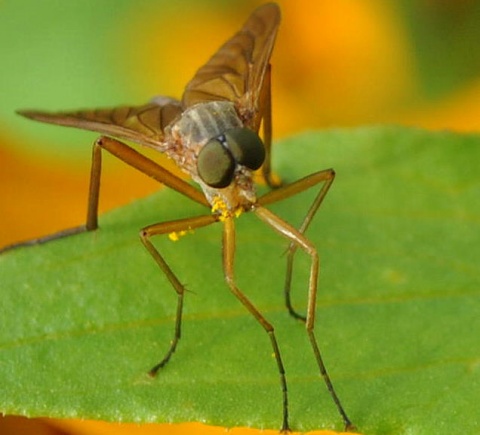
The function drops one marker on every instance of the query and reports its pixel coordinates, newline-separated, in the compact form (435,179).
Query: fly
(212,134)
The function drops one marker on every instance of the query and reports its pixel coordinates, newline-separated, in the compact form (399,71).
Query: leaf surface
(84,318)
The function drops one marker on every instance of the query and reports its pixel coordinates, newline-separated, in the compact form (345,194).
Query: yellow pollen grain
(175,235)
(220,206)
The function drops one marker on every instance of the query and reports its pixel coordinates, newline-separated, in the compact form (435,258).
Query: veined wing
(236,71)
(141,124)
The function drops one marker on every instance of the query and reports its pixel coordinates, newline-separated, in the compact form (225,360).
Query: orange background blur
(336,63)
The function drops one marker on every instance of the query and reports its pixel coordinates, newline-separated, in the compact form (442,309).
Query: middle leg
(300,241)
(326,177)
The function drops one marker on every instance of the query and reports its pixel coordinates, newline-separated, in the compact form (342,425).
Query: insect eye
(215,164)
(246,147)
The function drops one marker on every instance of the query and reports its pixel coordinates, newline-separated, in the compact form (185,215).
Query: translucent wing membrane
(142,124)
(236,71)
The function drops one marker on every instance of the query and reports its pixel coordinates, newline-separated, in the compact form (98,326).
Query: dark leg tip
(297,316)
(154,370)
(349,427)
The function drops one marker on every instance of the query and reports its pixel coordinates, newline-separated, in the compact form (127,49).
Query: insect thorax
(197,125)
(203,121)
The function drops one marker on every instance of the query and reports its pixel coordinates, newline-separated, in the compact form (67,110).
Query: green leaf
(84,318)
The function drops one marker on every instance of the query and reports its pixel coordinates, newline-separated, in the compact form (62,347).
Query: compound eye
(246,147)
(215,164)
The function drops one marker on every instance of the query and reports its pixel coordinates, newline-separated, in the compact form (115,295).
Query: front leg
(228,269)
(172,227)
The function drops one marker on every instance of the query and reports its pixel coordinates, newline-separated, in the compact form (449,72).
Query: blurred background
(337,63)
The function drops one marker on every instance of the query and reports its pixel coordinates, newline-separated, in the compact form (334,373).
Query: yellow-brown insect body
(190,133)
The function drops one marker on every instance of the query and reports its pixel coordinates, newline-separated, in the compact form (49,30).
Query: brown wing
(142,124)
(236,71)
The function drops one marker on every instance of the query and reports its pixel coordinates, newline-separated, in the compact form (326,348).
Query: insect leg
(138,161)
(228,267)
(92,208)
(326,177)
(266,114)
(167,228)
(130,157)
(148,167)
(297,239)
